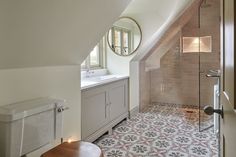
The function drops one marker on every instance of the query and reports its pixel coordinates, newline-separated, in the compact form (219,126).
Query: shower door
(209,62)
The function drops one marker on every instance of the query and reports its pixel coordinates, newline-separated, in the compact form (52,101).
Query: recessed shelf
(197,44)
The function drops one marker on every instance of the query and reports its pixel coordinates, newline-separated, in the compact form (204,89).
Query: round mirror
(125,36)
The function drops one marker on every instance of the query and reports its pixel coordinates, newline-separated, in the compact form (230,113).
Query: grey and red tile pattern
(163,130)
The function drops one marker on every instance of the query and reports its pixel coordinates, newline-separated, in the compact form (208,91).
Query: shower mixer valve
(210,111)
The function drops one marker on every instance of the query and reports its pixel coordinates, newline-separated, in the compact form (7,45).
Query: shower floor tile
(163,130)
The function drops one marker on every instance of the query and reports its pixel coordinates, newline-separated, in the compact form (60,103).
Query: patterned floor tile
(163,130)
(115,153)
(176,154)
(140,149)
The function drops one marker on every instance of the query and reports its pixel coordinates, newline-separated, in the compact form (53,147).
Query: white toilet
(27,126)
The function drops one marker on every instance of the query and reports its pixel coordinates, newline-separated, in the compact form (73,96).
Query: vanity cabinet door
(94,111)
(118,99)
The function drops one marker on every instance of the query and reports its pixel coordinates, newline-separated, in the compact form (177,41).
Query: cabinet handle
(125,92)
(106,111)
(62,108)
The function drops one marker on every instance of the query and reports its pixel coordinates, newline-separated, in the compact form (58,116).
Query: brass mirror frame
(126,17)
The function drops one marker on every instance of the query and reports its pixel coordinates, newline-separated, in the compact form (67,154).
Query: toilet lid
(74,149)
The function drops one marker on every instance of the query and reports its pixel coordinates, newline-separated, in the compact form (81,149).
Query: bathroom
(168,68)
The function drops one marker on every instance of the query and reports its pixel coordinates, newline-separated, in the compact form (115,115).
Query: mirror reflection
(125,36)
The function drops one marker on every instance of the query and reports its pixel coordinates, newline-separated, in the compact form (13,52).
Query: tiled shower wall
(177,79)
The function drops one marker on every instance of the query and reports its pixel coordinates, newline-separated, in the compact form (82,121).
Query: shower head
(205,4)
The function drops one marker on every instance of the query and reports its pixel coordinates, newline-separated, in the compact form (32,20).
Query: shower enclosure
(186,71)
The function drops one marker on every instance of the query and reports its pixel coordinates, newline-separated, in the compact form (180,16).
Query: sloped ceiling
(53,32)
(150,14)
(154,17)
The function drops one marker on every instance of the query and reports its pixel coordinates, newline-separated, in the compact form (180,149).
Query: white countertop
(100,80)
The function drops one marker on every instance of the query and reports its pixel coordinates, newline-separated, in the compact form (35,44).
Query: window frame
(121,30)
(102,58)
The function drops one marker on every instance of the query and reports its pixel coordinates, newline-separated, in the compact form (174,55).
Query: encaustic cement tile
(163,130)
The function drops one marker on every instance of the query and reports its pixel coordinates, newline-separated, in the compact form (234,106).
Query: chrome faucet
(88,73)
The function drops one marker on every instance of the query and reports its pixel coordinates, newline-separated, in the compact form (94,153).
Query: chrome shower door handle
(213,73)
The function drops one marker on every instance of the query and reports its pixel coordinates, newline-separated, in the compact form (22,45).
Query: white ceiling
(153,16)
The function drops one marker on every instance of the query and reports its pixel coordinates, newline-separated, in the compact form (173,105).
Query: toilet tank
(29,125)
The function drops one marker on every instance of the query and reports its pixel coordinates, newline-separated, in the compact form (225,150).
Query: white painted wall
(133,80)
(118,64)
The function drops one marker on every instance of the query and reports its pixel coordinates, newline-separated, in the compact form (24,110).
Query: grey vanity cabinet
(94,110)
(117,96)
(103,107)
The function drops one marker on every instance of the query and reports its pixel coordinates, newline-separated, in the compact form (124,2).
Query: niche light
(197,44)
